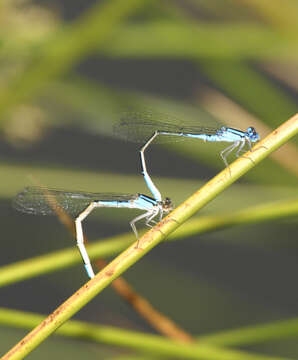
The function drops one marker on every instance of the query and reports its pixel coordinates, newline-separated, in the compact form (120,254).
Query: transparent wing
(40,201)
(140,126)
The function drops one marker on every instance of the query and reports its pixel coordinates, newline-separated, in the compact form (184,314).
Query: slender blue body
(139,201)
(148,126)
(140,126)
(35,200)
(224,134)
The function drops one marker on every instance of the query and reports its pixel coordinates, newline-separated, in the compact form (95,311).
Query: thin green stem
(151,239)
(252,215)
(152,344)
(276,330)
(58,260)
(186,40)
(62,259)
(65,49)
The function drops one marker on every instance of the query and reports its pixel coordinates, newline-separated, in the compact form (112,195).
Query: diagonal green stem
(62,259)
(152,238)
(252,215)
(152,344)
(65,49)
(248,335)
(276,330)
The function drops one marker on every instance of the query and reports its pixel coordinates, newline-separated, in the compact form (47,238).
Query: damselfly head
(167,205)
(252,134)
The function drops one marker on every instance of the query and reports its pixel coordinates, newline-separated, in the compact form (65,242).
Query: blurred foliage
(241,53)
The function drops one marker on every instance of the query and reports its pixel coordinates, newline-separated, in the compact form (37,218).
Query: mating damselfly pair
(139,127)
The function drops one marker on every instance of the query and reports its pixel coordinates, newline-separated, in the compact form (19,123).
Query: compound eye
(252,133)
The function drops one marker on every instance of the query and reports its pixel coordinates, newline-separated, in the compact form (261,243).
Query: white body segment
(35,200)
(139,201)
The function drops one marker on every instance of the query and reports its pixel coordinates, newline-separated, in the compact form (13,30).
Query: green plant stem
(152,344)
(65,49)
(152,238)
(230,77)
(248,335)
(252,215)
(162,39)
(276,330)
(62,259)
(58,260)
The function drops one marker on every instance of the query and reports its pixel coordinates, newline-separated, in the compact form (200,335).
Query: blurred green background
(68,70)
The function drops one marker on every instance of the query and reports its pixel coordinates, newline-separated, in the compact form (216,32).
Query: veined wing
(42,201)
(140,126)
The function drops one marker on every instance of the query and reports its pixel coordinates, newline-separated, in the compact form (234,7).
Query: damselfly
(147,126)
